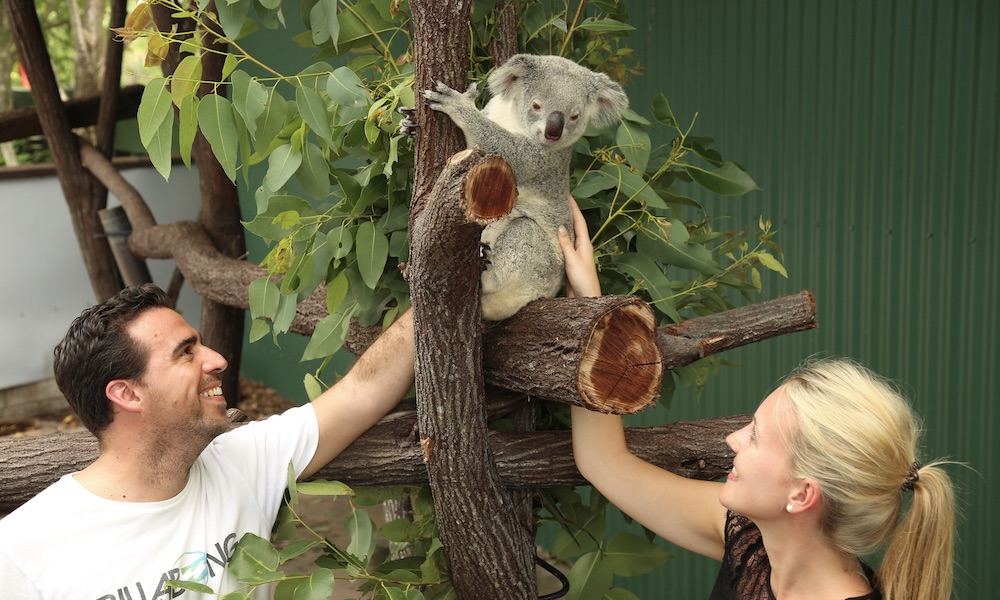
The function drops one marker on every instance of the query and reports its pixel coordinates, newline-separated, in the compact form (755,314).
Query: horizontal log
(81,112)
(390,454)
(685,342)
(599,353)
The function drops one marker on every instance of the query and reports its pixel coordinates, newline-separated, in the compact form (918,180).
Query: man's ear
(122,395)
(806,496)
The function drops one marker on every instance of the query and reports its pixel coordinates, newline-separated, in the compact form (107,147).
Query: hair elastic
(912,477)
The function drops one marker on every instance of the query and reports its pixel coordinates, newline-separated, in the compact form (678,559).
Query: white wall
(44,285)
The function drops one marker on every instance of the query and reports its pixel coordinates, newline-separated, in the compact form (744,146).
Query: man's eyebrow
(185,343)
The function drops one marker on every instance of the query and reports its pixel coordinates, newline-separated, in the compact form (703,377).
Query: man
(173,489)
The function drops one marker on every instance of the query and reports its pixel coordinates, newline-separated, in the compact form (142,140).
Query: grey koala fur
(540,107)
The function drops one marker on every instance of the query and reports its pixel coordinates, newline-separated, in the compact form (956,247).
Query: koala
(540,107)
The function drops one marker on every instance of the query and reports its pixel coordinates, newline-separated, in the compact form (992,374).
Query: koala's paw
(409,125)
(484,256)
(449,101)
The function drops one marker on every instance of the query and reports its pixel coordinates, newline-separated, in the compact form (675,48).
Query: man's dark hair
(98,349)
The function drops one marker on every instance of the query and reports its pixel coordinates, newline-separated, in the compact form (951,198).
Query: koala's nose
(554,126)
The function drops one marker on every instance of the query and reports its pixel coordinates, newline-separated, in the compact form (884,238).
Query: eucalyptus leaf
(218,124)
(232,15)
(324,23)
(632,555)
(314,172)
(154,107)
(589,578)
(264,298)
(258,329)
(255,560)
(188,127)
(186,79)
(727,180)
(662,111)
(250,99)
(314,112)
(336,292)
(160,146)
(634,143)
(281,165)
(319,586)
(361,528)
(321,487)
(270,122)
(373,251)
(328,336)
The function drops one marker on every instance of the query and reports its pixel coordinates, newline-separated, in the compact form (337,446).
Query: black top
(745,573)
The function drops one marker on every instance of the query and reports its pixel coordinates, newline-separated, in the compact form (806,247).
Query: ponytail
(918,562)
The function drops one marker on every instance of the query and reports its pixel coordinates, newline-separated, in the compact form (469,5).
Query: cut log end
(622,370)
(490,190)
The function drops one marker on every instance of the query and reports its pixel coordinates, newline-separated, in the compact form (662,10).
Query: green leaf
(250,99)
(192,586)
(328,336)
(727,180)
(676,250)
(320,487)
(361,528)
(604,25)
(662,111)
(160,146)
(297,548)
(619,594)
(313,110)
(188,128)
(264,225)
(232,15)
(281,165)
(647,275)
(324,23)
(314,387)
(772,263)
(319,586)
(589,578)
(263,298)
(287,306)
(154,108)
(634,143)
(314,172)
(592,183)
(218,124)
(373,250)
(258,329)
(186,79)
(345,88)
(340,241)
(631,554)
(336,291)
(255,560)
(270,123)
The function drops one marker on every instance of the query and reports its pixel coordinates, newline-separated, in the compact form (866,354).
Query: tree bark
(685,342)
(75,181)
(599,353)
(490,553)
(390,454)
(80,112)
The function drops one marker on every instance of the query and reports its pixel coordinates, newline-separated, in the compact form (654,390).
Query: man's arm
(376,383)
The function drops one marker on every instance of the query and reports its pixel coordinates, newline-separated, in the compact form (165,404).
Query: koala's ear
(610,101)
(503,78)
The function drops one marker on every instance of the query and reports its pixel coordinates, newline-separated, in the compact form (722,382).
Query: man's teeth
(216,391)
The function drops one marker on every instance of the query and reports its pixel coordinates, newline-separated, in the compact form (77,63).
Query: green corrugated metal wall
(872,128)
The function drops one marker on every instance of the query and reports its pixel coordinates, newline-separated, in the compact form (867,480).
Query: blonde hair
(857,437)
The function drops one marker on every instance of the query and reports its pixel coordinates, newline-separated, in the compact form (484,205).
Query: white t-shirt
(68,544)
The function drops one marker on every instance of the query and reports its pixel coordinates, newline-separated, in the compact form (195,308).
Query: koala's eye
(536,105)
(574,116)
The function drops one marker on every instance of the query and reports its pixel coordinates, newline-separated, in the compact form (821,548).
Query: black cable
(558,575)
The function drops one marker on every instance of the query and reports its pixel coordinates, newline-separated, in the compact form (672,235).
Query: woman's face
(760,483)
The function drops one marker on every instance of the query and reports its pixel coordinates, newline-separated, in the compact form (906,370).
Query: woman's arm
(684,511)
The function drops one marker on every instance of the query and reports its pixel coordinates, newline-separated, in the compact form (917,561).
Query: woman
(819,479)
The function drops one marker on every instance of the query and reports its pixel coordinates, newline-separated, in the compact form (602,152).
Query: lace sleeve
(745,570)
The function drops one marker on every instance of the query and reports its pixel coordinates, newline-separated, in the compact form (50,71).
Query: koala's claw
(409,125)
(484,256)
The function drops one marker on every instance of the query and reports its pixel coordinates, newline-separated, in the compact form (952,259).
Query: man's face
(181,392)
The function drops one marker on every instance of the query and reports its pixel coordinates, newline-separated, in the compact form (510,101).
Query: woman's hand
(581,271)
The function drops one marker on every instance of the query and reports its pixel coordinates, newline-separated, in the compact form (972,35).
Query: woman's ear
(121,393)
(806,496)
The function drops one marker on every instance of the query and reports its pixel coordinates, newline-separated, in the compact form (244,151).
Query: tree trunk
(490,553)
(75,181)
(390,454)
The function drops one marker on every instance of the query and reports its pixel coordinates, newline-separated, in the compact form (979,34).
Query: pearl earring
(789,508)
